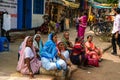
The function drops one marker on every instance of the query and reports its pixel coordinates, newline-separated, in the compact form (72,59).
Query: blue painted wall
(24,12)
(28,16)
(19,14)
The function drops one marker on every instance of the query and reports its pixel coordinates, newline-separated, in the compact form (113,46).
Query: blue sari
(49,58)
(49,50)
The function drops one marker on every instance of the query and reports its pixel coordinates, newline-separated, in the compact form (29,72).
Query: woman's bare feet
(31,75)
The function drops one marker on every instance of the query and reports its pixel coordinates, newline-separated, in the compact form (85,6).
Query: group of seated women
(54,54)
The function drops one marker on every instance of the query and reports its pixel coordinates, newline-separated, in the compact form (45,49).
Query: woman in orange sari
(91,50)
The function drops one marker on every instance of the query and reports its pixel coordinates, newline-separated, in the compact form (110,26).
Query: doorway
(24,14)
(1,23)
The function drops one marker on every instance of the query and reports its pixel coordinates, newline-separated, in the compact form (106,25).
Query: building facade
(8,15)
(30,13)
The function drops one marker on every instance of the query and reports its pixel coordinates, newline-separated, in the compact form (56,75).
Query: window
(38,7)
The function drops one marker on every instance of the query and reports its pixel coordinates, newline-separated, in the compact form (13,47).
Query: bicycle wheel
(96,30)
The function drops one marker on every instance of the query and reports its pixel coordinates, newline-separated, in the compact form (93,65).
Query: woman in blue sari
(49,55)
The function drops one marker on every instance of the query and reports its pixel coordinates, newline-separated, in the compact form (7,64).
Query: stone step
(16,76)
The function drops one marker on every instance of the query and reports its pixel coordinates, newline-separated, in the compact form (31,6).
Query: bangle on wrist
(30,70)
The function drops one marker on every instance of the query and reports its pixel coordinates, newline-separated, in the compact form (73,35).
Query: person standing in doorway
(116,31)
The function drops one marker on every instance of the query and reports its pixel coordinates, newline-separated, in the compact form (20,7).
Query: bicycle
(102,28)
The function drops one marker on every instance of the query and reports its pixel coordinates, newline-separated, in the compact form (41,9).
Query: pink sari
(34,63)
(92,56)
(82,26)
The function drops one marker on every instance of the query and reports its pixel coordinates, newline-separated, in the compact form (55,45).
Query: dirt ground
(109,68)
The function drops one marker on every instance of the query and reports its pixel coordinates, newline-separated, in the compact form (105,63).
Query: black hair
(65,32)
(85,13)
(76,39)
(89,36)
(117,10)
(53,34)
(36,30)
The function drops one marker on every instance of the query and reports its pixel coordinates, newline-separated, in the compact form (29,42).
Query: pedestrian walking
(82,25)
(91,20)
(116,31)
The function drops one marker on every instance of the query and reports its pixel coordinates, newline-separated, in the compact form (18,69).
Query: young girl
(64,53)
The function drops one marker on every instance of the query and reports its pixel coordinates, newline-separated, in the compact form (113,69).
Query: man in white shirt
(116,31)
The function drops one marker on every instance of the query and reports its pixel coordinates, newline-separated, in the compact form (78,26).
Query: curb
(104,50)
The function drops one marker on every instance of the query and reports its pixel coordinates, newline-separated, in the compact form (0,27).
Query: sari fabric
(92,56)
(38,45)
(49,58)
(82,26)
(34,63)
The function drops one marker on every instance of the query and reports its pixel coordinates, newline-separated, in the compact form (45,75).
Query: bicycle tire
(96,30)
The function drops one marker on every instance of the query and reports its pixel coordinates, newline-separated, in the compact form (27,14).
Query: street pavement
(8,60)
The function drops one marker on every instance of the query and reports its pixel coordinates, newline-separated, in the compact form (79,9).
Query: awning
(71,4)
(98,6)
(57,1)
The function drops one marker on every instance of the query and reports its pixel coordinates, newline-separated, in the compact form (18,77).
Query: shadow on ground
(108,70)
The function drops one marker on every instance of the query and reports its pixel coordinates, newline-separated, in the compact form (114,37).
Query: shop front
(54,9)
(72,10)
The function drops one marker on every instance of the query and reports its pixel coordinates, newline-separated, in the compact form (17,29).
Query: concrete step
(19,76)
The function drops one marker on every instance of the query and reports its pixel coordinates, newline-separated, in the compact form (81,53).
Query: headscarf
(59,43)
(40,46)
(64,40)
(22,55)
(49,50)
(35,42)
(50,36)
(23,45)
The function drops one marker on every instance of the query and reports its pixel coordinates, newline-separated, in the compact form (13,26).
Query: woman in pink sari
(28,62)
(82,25)
(93,53)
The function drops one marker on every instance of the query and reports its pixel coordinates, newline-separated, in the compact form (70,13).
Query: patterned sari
(34,63)
(92,55)
(82,26)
